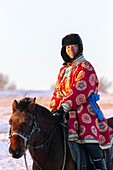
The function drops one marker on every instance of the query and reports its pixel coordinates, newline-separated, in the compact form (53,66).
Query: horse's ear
(14,105)
(31,106)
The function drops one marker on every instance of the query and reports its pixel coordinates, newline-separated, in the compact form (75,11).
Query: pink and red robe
(76,82)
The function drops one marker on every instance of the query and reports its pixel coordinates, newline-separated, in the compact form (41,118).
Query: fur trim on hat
(70,40)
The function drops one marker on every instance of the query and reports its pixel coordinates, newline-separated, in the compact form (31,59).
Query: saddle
(79,154)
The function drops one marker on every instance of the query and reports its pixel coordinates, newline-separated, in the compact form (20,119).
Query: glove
(61,111)
(64,114)
(64,108)
(58,114)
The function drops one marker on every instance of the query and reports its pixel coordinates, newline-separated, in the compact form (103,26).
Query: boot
(100,164)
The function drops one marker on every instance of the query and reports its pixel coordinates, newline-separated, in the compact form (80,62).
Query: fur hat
(70,40)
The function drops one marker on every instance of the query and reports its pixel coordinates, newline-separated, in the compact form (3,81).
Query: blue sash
(93,98)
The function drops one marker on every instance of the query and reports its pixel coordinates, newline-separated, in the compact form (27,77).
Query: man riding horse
(76,92)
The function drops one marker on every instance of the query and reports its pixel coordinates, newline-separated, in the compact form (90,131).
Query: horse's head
(22,125)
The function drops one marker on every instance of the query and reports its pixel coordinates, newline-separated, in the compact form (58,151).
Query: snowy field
(6,99)
(43,98)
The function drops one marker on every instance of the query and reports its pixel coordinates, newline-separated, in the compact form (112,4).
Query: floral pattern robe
(76,82)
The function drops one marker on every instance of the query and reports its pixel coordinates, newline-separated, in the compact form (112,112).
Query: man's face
(72,50)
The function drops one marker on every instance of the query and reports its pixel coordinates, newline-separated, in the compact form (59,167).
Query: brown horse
(110,122)
(35,128)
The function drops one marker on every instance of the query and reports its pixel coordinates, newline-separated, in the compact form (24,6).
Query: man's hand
(61,111)
(64,114)
(64,108)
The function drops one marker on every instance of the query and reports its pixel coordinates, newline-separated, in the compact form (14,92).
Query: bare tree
(11,86)
(4,83)
(104,85)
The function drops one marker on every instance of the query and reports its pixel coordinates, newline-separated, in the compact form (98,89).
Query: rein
(25,159)
(26,139)
(23,135)
(41,146)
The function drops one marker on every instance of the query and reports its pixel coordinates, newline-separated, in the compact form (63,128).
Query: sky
(31,33)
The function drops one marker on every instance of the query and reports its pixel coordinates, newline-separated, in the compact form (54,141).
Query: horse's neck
(45,119)
(49,139)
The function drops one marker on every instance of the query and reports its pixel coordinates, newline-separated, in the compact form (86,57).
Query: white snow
(6,161)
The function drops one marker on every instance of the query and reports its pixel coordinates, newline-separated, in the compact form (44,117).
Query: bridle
(27,138)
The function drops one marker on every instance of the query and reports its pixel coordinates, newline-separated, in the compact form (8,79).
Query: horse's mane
(42,110)
(23,105)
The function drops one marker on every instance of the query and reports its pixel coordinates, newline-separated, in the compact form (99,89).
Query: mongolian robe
(76,82)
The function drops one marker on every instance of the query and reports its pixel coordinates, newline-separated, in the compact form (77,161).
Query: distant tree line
(5,84)
(104,85)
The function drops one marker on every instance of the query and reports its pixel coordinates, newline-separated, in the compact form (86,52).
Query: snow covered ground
(43,97)
(6,99)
